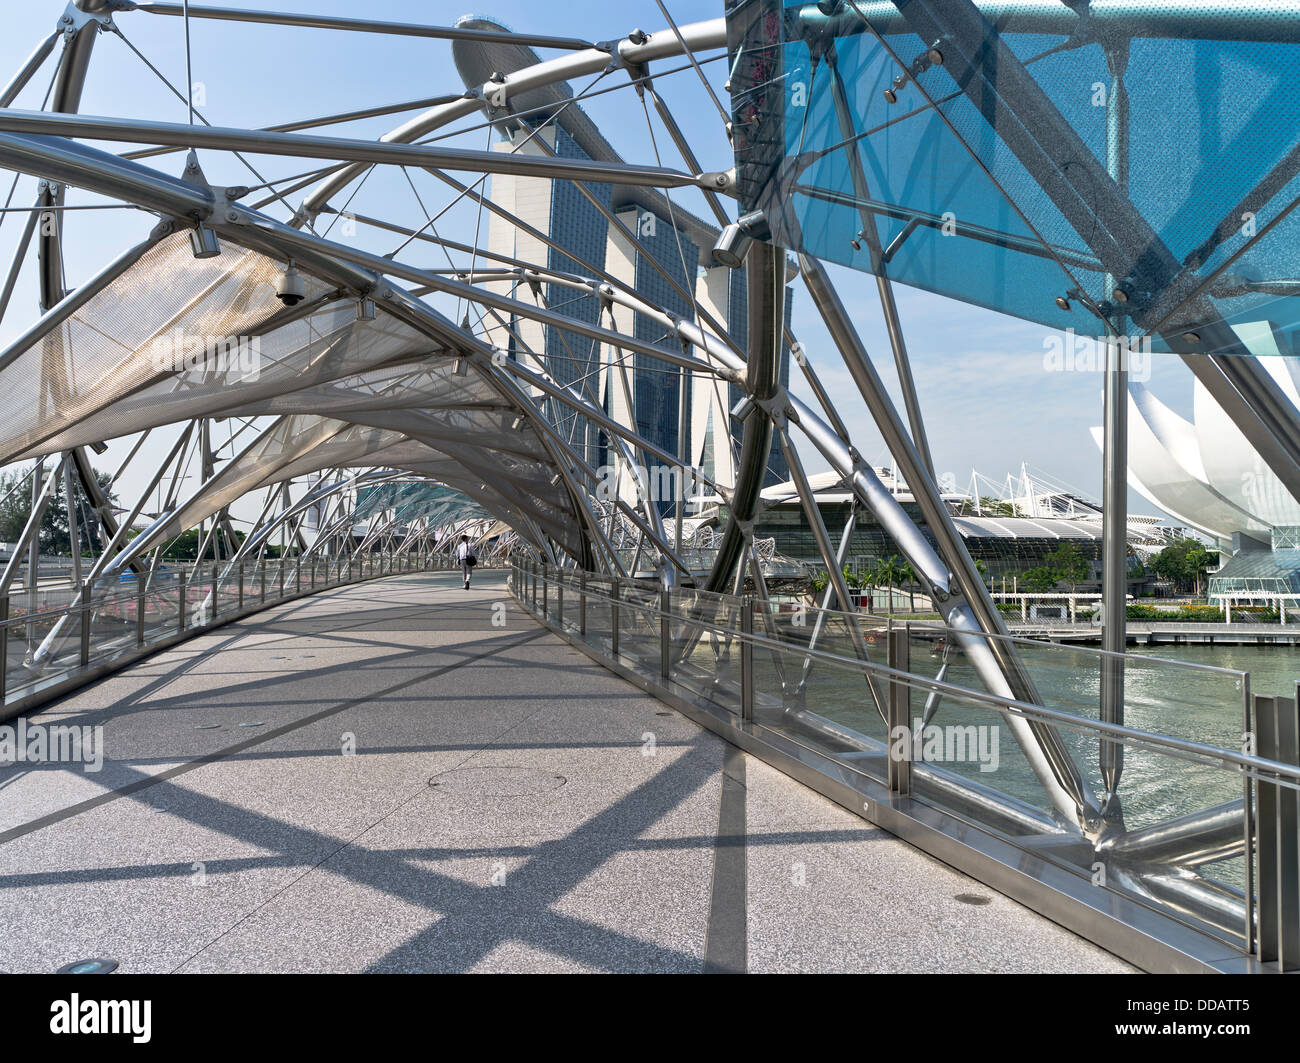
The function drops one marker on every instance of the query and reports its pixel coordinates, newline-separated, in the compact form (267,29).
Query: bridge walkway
(405,776)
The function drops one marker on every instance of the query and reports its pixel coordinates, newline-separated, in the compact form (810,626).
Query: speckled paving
(396,777)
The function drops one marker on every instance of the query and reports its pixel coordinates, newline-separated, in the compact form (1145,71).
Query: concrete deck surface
(378,778)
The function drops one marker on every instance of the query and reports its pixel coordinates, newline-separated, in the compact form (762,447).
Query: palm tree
(888,573)
(854,582)
(907,576)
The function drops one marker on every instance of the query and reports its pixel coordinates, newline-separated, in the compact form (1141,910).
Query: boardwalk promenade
(404,776)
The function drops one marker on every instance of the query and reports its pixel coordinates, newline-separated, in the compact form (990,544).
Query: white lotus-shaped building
(1204,473)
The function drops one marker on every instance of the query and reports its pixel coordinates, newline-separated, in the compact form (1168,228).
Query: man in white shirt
(465,555)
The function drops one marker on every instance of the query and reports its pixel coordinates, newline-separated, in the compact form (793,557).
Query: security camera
(291,290)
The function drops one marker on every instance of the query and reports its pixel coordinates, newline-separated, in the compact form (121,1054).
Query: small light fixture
(365,310)
(1120,295)
(738,237)
(1191,337)
(204,242)
(1063,302)
(732,247)
(461,366)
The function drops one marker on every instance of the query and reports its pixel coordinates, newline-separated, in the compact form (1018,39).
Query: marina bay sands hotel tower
(581,236)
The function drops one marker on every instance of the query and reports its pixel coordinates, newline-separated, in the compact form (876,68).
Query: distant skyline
(990,403)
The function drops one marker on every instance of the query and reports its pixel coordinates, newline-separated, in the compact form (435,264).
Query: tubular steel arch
(464,379)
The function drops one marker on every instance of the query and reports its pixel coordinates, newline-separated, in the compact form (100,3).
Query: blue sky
(989,401)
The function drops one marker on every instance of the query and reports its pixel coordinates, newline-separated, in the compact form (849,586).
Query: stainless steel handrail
(1197,752)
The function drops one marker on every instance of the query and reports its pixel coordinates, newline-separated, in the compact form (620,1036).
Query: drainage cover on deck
(973,898)
(497,781)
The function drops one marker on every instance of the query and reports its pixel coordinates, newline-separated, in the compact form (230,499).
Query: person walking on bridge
(465,555)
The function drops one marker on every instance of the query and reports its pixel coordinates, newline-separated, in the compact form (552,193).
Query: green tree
(990,507)
(1042,579)
(888,573)
(1069,564)
(185,547)
(54,535)
(907,577)
(1183,562)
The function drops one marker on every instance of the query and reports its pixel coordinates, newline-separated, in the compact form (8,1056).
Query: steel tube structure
(311,146)
(356,25)
(1129,18)
(1052,765)
(592,61)
(19,81)
(515,388)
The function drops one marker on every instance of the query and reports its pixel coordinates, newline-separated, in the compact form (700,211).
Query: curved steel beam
(765,277)
(315,146)
(660,45)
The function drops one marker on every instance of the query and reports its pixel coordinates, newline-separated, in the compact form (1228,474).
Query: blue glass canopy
(1116,167)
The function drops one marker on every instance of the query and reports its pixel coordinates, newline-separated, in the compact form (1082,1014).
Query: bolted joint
(722,182)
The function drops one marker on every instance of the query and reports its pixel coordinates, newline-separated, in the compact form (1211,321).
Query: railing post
(613,618)
(582,603)
(559,602)
(899,712)
(241,585)
(279,574)
(181,591)
(665,634)
(747,659)
(1278,839)
(85,624)
(1248,825)
(546,591)
(4,645)
(262,570)
(212,614)
(139,610)
(297,574)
